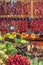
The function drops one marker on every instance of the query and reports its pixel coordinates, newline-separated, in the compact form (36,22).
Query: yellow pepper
(23,35)
(14,34)
(33,36)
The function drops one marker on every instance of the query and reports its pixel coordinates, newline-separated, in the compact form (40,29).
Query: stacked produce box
(13,24)
(38,8)
(37,25)
(15,8)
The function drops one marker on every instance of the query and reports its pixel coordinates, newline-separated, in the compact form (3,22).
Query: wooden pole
(32,9)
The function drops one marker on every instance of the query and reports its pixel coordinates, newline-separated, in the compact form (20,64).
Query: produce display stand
(18,47)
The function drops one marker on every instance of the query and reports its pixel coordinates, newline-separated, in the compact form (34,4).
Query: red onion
(17,60)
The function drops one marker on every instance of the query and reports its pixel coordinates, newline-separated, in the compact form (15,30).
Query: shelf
(25,0)
(14,16)
(36,40)
(18,16)
(38,16)
(37,0)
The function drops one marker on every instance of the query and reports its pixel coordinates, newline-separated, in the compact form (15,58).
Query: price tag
(13,1)
(35,42)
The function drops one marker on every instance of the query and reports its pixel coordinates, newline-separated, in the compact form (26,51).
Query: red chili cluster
(20,25)
(17,60)
(18,8)
(37,25)
(38,8)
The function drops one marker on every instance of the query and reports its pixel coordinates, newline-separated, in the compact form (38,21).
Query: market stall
(21,32)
